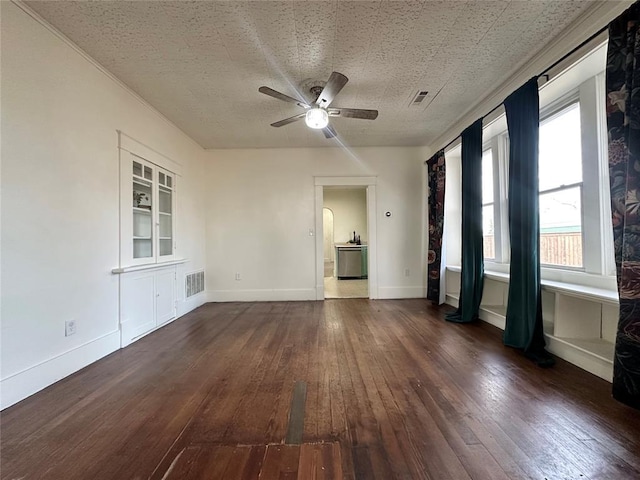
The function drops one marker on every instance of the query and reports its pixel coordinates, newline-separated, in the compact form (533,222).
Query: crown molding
(61,36)
(598,16)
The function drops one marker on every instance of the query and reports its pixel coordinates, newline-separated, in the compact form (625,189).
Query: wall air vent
(193,283)
(419,97)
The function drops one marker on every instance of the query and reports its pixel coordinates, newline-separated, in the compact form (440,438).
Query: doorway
(345,246)
(343,219)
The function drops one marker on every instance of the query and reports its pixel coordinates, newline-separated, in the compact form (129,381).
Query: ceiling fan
(318,112)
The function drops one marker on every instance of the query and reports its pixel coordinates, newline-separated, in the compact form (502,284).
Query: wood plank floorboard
(392,392)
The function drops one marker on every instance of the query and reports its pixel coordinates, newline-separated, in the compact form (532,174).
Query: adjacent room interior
(344,230)
(233,232)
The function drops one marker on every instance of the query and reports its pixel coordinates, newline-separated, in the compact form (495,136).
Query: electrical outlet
(407,272)
(237,276)
(69,328)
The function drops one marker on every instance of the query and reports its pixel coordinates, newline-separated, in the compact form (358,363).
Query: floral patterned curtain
(435,180)
(623,123)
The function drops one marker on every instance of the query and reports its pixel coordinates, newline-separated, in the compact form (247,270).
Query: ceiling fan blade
(289,120)
(329,132)
(281,96)
(331,89)
(353,113)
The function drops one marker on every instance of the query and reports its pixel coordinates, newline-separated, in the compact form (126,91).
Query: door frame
(356,181)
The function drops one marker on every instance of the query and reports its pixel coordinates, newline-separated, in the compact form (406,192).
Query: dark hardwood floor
(392,392)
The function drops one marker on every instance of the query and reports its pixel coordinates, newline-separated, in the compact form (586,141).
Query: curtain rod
(543,74)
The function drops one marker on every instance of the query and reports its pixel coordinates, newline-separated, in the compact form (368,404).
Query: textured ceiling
(200,63)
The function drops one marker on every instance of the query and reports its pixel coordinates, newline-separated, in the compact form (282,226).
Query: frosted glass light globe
(316,118)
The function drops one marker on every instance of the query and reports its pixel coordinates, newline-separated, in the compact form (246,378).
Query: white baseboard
(130,332)
(585,360)
(261,295)
(302,294)
(184,307)
(388,293)
(450,300)
(191,303)
(20,385)
(492,318)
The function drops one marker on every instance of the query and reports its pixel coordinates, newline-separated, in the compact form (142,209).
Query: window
(488,224)
(575,219)
(560,178)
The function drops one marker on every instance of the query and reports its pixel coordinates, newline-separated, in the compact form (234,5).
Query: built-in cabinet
(148,193)
(580,322)
(148,265)
(148,300)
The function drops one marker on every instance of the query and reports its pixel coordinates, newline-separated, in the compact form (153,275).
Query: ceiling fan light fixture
(316,118)
(317,115)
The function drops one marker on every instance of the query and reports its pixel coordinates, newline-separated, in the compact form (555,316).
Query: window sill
(603,295)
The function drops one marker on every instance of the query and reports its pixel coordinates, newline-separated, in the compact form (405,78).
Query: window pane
(561,228)
(487,176)
(489,248)
(165,200)
(137,169)
(560,149)
(165,247)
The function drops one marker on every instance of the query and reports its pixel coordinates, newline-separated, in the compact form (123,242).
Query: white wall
(349,207)
(260,211)
(59,200)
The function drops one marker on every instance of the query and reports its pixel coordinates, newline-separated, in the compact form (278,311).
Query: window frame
(487,148)
(499,145)
(583,81)
(551,111)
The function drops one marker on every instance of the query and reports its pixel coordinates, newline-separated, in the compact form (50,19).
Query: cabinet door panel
(166,210)
(138,308)
(147,211)
(165,296)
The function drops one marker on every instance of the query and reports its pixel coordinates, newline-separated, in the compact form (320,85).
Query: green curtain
(472,277)
(523,327)
(623,123)
(436,171)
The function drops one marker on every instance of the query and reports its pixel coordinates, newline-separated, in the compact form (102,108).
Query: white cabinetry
(147,206)
(580,322)
(147,264)
(148,300)
(165,295)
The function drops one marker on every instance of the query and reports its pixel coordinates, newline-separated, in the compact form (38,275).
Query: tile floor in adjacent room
(349,288)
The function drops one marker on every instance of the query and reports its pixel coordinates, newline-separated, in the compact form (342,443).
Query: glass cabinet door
(142,210)
(165,213)
(147,201)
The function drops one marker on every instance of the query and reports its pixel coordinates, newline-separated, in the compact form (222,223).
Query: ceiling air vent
(420,96)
